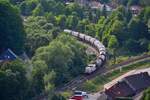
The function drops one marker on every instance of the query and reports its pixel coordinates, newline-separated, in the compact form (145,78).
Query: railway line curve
(96,44)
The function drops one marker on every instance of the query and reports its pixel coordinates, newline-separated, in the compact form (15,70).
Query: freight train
(101,57)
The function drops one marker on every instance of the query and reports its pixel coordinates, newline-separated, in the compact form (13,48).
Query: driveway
(94,96)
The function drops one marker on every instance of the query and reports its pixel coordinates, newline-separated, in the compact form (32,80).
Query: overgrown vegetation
(36,27)
(98,82)
(146,95)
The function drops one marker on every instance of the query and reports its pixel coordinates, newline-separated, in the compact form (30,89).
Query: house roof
(139,81)
(135,7)
(121,89)
(8,55)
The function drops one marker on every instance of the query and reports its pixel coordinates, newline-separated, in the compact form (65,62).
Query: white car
(80,93)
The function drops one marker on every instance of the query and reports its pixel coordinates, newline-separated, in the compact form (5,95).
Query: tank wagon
(96,44)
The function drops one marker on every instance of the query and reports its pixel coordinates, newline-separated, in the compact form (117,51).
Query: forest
(36,28)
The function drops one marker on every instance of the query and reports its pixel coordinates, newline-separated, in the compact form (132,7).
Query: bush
(89,86)
(57,97)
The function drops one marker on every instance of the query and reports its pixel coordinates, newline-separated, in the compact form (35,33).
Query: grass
(66,94)
(97,83)
(118,60)
(122,58)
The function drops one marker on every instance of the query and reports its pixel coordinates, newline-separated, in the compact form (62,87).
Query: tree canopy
(13,81)
(12,33)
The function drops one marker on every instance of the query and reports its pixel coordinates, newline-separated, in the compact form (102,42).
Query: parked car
(80,93)
(76,98)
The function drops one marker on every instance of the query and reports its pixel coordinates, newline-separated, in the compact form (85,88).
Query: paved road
(93,96)
(96,96)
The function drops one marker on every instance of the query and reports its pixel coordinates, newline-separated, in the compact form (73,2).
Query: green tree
(149,46)
(90,29)
(146,94)
(145,14)
(68,61)
(61,21)
(72,22)
(38,33)
(138,29)
(12,34)
(81,27)
(133,2)
(49,83)
(56,59)
(51,18)
(113,44)
(133,46)
(57,97)
(27,6)
(38,11)
(40,68)
(13,81)
(55,32)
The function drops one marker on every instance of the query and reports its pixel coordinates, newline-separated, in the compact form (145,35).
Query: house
(83,2)
(138,82)
(98,5)
(121,89)
(135,9)
(8,55)
(94,4)
(128,86)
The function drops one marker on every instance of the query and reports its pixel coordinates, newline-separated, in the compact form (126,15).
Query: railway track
(81,79)
(73,84)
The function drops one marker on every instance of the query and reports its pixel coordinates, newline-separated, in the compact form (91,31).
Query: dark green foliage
(131,32)
(16,1)
(57,97)
(55,32)
(133,2)
(13,82)
(145,14)
(72,22)
(12,34)
(57,58)
(104,1)
(146,95)
(61,21)
(27,6)
(38,11)
(39,70)
(67,61)
(38,33)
